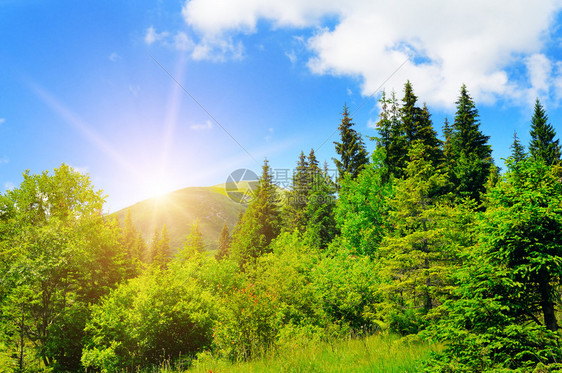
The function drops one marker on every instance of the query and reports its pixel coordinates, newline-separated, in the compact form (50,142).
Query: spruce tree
(517,151)
(259,224)
(351,149)
(390,137)
(194,244)
(416,125)
(471,156)
(160,248)
(542,145)
(224,243)
(294,210)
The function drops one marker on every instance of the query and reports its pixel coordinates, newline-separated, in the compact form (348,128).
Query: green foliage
(193,245)
(469,158)
(224,243)
(59,254)
(502,315)
(361,209)
(542,145)
(259,224)
(162,315)
(160,248)
(351,149)
(420,252)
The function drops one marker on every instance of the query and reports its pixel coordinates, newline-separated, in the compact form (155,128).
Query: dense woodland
(424,238)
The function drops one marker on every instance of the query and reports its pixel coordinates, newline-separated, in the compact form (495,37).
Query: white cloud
(202,126)
(152,36)
(182,42)
(114,57)
(539,69)
(292,56)
(444,43)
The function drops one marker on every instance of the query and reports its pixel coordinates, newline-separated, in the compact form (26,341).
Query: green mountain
(212,206)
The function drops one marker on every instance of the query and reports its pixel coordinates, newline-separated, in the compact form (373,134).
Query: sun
(156,188)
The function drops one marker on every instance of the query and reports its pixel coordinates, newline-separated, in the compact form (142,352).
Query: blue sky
(88,83)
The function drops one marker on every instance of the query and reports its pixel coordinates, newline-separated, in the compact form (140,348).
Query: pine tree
(351,149)
(259,224)
(160,248)
(471,156)
(224,244)
(416,125)
(517,151)
(193,244)
(542,145)
(415,254)
(294,211)
(390,137)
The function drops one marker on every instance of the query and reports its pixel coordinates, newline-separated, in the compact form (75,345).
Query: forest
(426,240)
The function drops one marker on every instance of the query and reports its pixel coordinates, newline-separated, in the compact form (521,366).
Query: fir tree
(542,145)
(160,248)
(224,243)
(390,137)
(294,210)
(471,156)
(194,244)
(259,224)
(351,149)
(517,151)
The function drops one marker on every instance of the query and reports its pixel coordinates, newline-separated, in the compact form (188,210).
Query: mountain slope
(179,209)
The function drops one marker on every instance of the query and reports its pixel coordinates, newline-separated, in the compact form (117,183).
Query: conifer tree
(351,149)
(160,248)
(471,156)
(415,252)
(390,137)
(133,248)
(542,145)
(517,151)
(259,224)
(224,243)
(194,244)
(294,210)
(416,125)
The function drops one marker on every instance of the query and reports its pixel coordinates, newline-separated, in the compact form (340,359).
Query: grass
(378,353)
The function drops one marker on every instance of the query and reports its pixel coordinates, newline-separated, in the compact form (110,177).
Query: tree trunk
(547,305)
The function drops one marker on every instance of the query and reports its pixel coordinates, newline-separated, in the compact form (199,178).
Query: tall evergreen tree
(542,145)
(259,224)
(224,243)
(471,156)
(517,151)
(194,244)
(294,210)
(351,149)
(160,248)
(389,136)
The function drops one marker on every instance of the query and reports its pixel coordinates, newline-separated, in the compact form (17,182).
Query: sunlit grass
(379,353)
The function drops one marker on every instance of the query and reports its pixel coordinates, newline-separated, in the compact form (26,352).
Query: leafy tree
(361,209)
(63,255)
(470,158)
(224,243)
(160,316)
(351,149)
(259,224)
(542,145)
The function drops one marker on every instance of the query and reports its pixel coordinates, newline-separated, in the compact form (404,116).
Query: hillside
(179,209)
